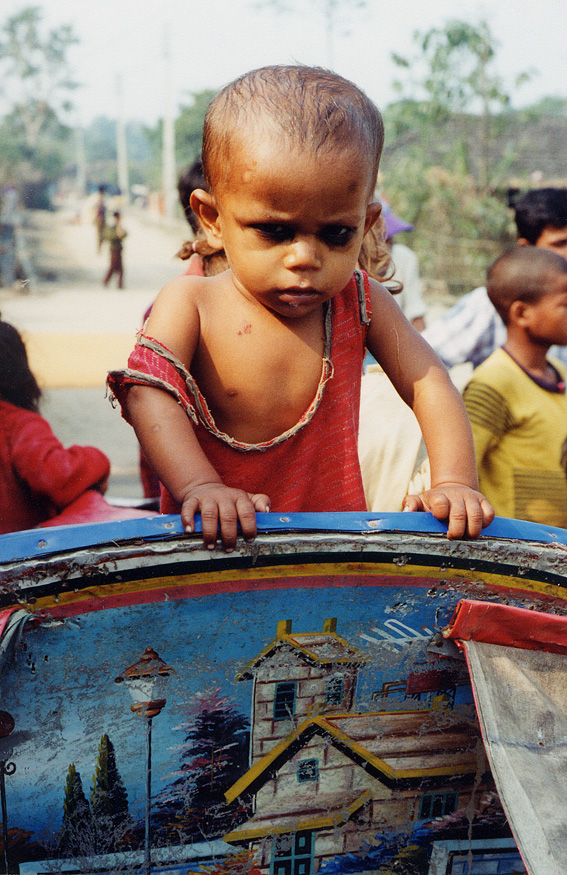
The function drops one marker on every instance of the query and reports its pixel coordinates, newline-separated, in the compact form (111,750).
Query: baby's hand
(222,506)
(466,511)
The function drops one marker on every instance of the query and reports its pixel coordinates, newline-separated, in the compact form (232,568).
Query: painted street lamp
(146,681)
(6,768)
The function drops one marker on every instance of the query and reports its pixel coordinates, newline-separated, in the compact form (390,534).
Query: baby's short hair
(311,107)
(522,274)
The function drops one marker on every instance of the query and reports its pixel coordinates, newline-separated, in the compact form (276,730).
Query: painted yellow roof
(316,812)
(394,744)
(321,648)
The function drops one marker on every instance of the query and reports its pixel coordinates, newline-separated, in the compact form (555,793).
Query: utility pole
(168,142)
(121,152)
(81,175)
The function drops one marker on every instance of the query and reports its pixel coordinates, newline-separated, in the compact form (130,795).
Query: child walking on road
(244,387)
(115,234)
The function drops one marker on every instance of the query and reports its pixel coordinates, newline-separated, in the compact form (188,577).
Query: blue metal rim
(36,543)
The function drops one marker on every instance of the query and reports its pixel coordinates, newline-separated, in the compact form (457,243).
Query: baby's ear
(204,207)
(373,211)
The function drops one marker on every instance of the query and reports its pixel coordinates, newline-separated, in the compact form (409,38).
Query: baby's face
(292,223)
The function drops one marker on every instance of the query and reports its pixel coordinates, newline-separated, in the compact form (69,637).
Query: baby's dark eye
(336,235)
(277,233)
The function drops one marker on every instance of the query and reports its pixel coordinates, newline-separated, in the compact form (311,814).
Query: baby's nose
(303,252)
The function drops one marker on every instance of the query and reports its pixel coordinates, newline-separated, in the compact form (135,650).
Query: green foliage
(189,128)
(441,171)
(454,69)
(100,141)
(36,85)
(459,230)
(453,74)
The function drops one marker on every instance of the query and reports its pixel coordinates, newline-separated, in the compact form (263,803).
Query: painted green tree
(76,837)
(109,801)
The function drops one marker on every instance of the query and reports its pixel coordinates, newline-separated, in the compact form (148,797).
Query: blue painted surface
(41,542)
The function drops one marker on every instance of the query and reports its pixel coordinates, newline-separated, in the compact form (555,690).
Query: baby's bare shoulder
(175,318)
(183,291)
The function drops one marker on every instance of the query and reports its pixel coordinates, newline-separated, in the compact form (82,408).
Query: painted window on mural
(292,854)
(284,703)
(488,864)
(335,686)
(437,805)
(307,770)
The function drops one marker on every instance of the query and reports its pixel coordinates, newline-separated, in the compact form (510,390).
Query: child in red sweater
(38,476)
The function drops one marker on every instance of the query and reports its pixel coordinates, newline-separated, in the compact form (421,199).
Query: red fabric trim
(508,626)
(4,617)
(92,507)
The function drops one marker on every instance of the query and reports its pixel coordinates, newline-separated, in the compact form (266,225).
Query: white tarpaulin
(521,700)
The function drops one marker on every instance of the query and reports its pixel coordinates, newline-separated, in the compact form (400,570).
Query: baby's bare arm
(166,434)
(424,384)
(169,443)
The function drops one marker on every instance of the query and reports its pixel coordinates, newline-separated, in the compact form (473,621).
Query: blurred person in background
(472,329)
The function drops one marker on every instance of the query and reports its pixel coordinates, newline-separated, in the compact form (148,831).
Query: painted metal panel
(313,718)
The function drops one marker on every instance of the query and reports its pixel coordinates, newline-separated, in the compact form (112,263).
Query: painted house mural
(328,782)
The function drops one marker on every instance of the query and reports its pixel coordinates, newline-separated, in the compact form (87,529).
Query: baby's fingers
(260,501)
(188,510)
(210,513)
(414,503)
(246,516)
(488,512)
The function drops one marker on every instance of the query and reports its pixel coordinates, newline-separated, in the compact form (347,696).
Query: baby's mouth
(298,295)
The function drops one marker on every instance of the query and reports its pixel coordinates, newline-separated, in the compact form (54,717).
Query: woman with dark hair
(38,476)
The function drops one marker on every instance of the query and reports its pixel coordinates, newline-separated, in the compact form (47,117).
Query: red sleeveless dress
(312,467)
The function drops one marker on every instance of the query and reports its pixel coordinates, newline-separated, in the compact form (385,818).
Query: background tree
(76,832)
(453,74)
(336,16)
(189,128)
(35,70)
(109,801)
(213,755)
(35,94)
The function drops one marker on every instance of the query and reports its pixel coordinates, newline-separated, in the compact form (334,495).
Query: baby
(244,387)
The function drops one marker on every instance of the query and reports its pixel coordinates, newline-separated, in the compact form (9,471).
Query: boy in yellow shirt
(516,398)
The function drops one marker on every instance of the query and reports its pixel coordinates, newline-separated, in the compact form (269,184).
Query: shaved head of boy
(305,108)
(524,274)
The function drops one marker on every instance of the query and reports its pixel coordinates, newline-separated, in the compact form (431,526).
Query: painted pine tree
(109,801)
(76,837)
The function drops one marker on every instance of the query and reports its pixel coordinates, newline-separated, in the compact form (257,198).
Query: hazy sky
(213,42)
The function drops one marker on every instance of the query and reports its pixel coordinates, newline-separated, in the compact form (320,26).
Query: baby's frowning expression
(292,222)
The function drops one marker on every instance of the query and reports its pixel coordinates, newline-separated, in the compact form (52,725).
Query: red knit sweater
(38,476)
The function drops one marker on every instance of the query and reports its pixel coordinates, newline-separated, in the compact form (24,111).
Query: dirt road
(75,330)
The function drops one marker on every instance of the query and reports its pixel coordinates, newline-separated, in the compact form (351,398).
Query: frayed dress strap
(363,290)
(152,364)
